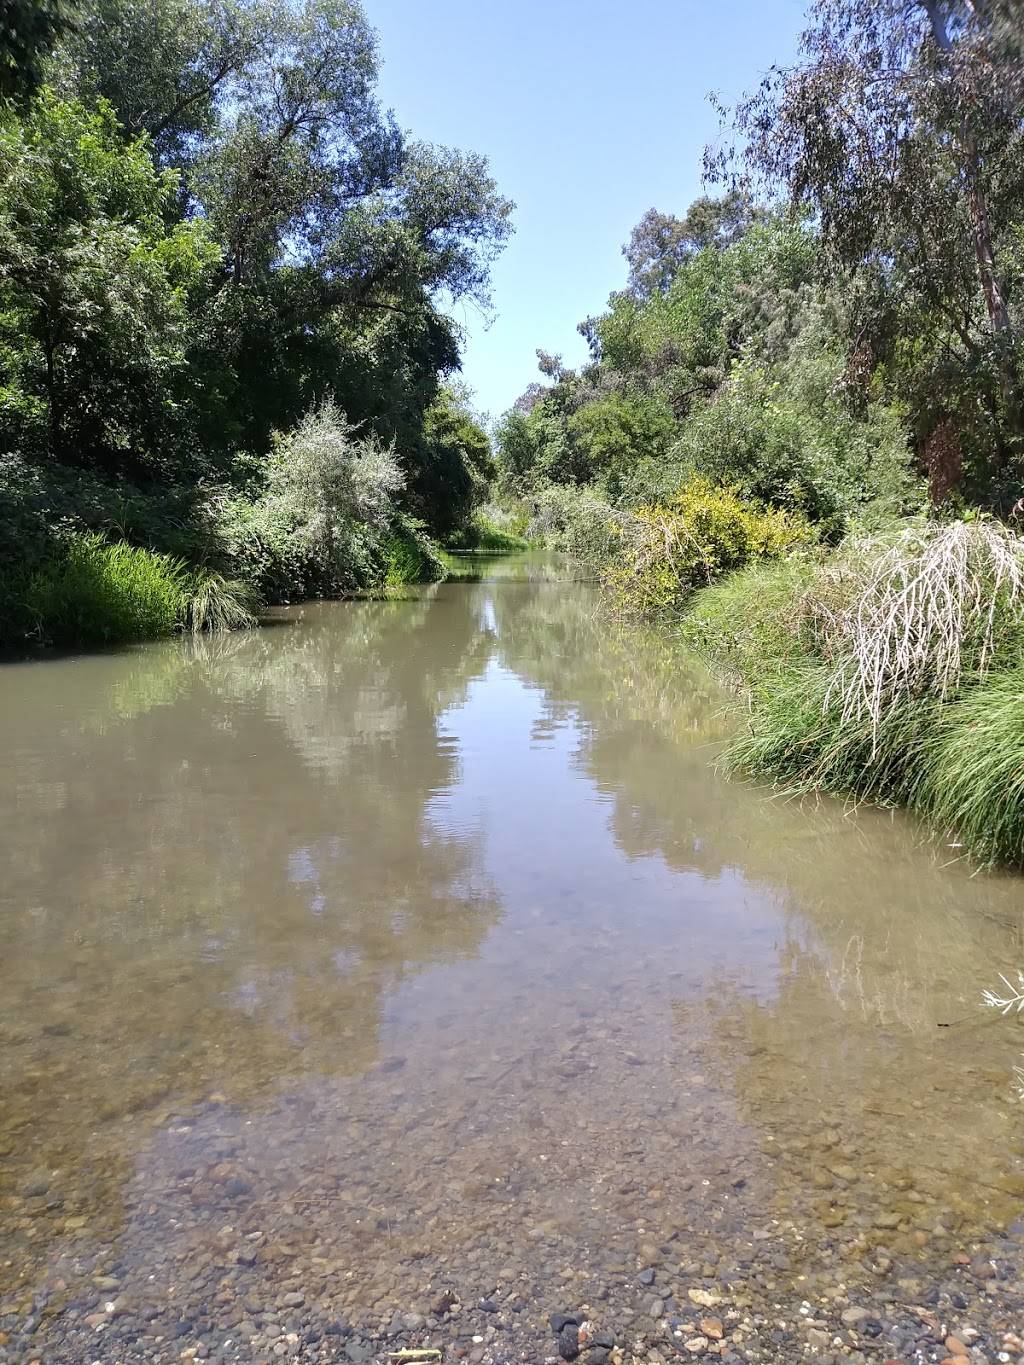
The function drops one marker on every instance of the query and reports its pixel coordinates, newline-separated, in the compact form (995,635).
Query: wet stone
(569,1341)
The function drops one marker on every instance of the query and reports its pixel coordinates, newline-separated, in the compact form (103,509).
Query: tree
(29,29)
(661,243)
(899,129)
(166,66)
(455,466)
(95,290)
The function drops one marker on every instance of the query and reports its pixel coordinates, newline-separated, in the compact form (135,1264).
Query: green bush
(577,521)
(784,437)
(319,526)
(95,593)
(492,529)
(410,556)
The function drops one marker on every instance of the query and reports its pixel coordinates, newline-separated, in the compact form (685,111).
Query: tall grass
(410,556)
(893,672)
(973,786)
(91,592)
(97,593)
(751,619)
(215,603)
(934,608)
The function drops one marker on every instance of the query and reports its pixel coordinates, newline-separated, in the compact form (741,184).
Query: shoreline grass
(892,671)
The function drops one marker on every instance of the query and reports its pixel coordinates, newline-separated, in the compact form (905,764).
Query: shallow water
(410,939)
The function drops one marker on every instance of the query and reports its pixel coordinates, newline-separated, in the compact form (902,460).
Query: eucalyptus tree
(900,127)
(662,243)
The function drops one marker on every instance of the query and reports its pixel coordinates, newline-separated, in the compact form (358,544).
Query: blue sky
(591,112)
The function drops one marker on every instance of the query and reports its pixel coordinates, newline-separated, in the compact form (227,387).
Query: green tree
(455,466)
(661,243)
(899,129)
(29,29)
(95,291)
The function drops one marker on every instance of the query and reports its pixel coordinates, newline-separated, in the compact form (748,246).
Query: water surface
(409,939)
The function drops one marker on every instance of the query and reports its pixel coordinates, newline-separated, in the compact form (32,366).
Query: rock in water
(560,1320)
(569,1341)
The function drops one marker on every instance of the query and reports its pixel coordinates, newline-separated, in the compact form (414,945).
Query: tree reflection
(222,862)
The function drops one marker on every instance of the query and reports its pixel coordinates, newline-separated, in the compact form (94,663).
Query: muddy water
(411,944)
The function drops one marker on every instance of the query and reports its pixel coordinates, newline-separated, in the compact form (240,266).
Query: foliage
(661,244)
(899,127)
(752,620)
(456,469)
(577,521)
(663,553)
(213,603)
(208,227)
(29,29)
(493,529)
(614,433)
(890,671)
(95,593)
(783,436)
(94,292)
(973,787)
(410,556)
(319,525)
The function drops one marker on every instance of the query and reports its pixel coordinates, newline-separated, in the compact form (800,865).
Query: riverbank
(887,668)
(891,670)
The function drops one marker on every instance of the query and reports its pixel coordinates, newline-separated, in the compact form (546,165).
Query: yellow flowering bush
(665,551)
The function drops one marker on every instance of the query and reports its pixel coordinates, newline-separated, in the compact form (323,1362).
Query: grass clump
(752,618)
(974,783)
(97,593)
(215,603)
(893,670)
(935,609)
(91,592)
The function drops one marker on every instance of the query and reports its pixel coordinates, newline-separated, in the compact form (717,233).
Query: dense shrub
(577,521)
(663,553)
(787,438)
(320,524)
(410,556)
(496,529)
